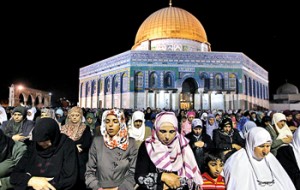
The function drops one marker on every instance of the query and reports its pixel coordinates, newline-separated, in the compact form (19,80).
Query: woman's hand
(79,148)
(40,183)
(171,180)
(19,137)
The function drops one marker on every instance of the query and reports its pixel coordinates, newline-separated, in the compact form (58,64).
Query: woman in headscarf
(289,157)
(19,128)
(253,167)
(3,115)
(50,161)
(246,127)
(30,113)
(137,128)
(280,132)
(10,154)
(76,130)
(112,156)
(211,124)
(165,160)
(91,122)
(186,127)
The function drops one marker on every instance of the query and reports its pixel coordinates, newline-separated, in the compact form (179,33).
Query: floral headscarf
(120,140)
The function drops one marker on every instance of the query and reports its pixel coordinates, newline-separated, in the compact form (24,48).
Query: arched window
(205,77)
(93,87)
(250,87)
(107,86)
(168,82)
(138,81)
(87,89)
(153,80)
(116,83)
(254,88)
(99,86)
(246,85)
(232,81)
(125,82)
(219,82)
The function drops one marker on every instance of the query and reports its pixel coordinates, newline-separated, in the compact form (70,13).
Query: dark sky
(44,45)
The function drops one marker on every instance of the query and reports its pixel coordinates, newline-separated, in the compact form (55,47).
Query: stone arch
(21,95)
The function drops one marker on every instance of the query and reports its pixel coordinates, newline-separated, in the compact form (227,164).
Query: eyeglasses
(264,183)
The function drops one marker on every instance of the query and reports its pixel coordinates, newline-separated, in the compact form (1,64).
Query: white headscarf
(296,145)
(137,133)
(243,169)
(285,130)
(3,115)
(32,111)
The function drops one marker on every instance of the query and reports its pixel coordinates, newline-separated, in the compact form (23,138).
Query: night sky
(45,45)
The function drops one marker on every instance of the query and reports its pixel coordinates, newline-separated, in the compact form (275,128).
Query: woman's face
(45,144)
(262,150)
(227,128)
(44,114)
(138,123)
(89,120)
(215,168)
(190,118)
(166,133)
(211,121)
(281,124)
(75,117)
(112,125)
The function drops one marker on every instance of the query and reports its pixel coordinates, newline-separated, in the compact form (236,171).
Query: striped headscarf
(176,156)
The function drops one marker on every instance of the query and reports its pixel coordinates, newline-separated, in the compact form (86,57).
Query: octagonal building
(171,66)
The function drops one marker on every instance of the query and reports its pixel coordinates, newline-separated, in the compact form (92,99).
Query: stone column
(170,99)
(146,101)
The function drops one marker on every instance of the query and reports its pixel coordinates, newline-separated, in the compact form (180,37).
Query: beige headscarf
(74,130)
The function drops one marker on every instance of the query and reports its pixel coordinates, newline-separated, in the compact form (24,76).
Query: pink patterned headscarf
(176,156)
(121,139)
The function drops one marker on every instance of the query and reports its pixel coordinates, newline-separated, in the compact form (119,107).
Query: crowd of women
(115,149)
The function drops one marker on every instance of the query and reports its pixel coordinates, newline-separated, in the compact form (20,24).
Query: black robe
(286,157)
(59,161)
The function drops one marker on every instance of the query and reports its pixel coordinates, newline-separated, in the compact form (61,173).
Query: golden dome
(171,22)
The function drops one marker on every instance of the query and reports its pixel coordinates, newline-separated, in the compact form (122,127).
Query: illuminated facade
(171,66)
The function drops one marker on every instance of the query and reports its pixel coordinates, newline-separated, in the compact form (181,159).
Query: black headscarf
(46,129)
(6,146)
